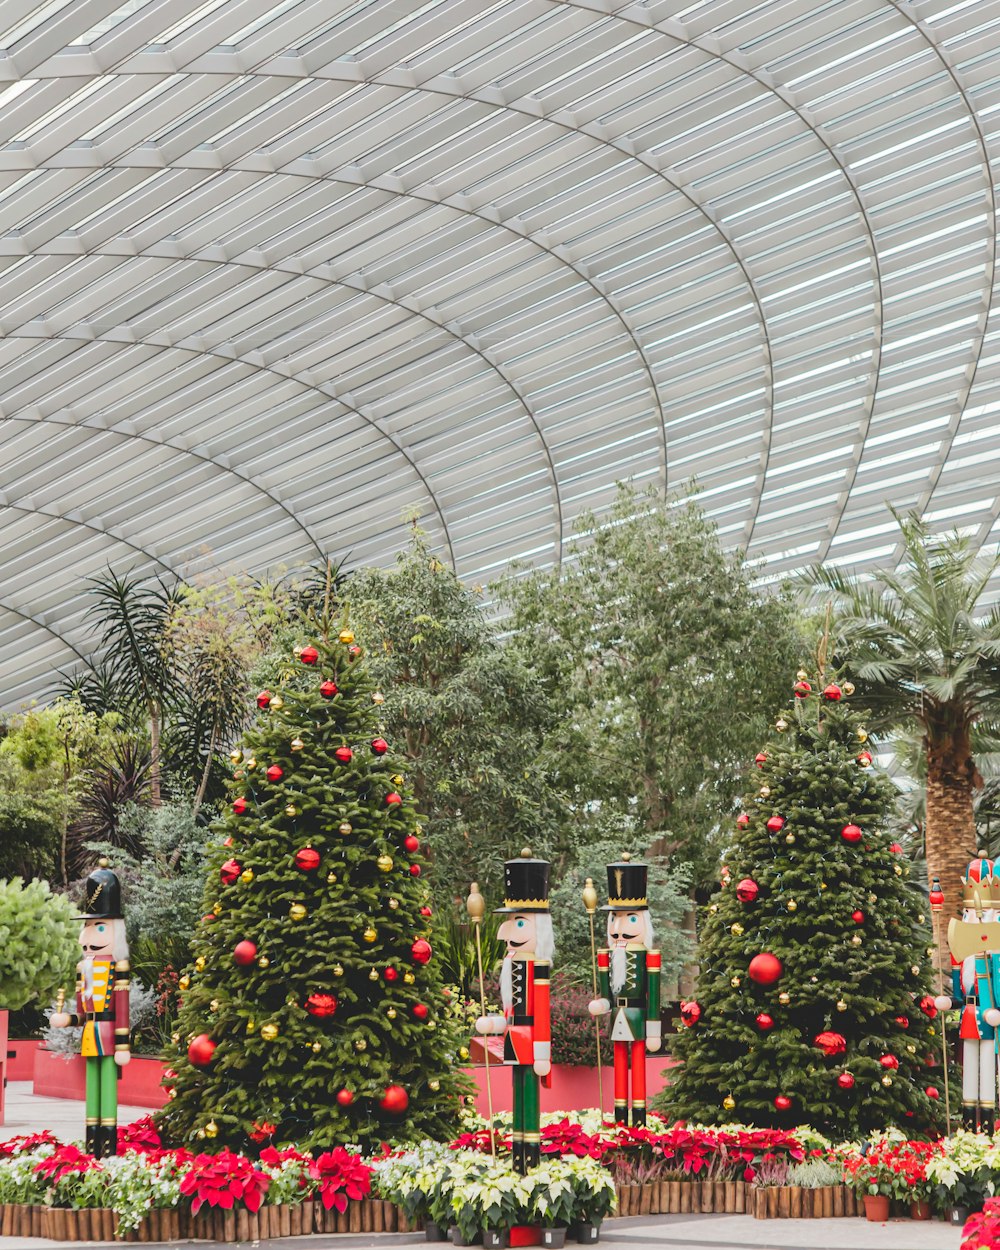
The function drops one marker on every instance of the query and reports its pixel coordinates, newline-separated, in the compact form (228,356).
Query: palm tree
(924,650)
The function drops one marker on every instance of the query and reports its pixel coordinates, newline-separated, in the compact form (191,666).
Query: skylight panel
(191,19)
(108,23)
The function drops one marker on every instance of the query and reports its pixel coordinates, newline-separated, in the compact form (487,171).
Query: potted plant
(420,1181)
(553,1199)
(961,1177)
(872,1179)
(593,1200)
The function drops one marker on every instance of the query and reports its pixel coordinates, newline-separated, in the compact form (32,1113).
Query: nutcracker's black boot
(532,1155)
(91,1142)
(621,1113)
(517,1155)
(638,1114)
(969,1116)
(987,1120)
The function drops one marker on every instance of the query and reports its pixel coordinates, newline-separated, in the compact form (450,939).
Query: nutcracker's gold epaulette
(123,965)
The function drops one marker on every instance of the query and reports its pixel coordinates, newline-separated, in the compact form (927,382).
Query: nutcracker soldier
(524,994)
(102,1006)
(629,974)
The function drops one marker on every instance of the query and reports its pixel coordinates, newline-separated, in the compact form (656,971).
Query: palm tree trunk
(950,833)
(206,772)
(154,753)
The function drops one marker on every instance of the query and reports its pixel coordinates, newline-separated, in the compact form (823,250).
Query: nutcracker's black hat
(627,888)
(526,884)
(102,895)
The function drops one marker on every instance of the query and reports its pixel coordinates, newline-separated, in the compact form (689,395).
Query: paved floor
(29,1113)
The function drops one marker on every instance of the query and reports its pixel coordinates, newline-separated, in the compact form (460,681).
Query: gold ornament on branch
(369,934)
(236,756)
(792,905)
(185,982)
(841,1005)
(338,970)
(385,863)
(736,929)
(331,878)
(729,1102)
(251,764)
(211,1129)
(297,744)
(291,810)
(250,1026)
(199,964)
(246,876)
(277,703)
(391,1013)
(434,1085)
(848,688)
(887,1079)
(214,1005)
(856,940)
(297,911)
(789,838)
(784,998)
(263,962)
(346,636)
(378,698)
(393,903)
(764,791)
(346,828)
(269,1032)
(317,1047)
(373,975)
(781,724)
(361,1044)
(409,978)
(735,982)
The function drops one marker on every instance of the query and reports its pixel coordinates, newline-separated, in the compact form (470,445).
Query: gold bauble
(862,735)
(781,725)
(393,903)
(345,828)
(385,863)
(346,636)
(217,908)
(211,1129)
(263,962)
(171,1094)
(841,1005)
(236,756)
(434,1085)
(764,791)
(822,885)
(251,764)
(887,1079)
(185,982)
(734,982)
(214,1005)
(729,1102)
(200,1134)
(856,940)
(246,876)
(369,934)
(251,1026)
(932,1030)
(277,703)
(291,810)
(897,869)
(338,970)
(792,905)
(175,1038)
(296,744)
(789,838)
(391,1013)
(398,779)
(912,1049)
(802,675)
(269,1032)
(713,908)
(297,911)
(873,898)
(784,998)
(736,929)
(361,1044)
(920,920)
(378,697)
(373,975)
(463,1052)
(317,1047)
(298,649)
(409,978)
(431,1024)
(199,964)
(331,878)
(915,970)
(848,688)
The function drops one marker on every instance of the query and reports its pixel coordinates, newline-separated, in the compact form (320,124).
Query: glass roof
(274,271)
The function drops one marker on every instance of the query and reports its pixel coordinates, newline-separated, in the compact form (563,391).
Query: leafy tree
(38,937)
(837,1032)
(467,713)
(661,659)
(923,645)
(314,1004)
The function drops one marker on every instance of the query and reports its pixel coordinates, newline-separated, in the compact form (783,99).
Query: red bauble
(379,746)
(354,649)
(420,1010)
(392,799)
(395,1100)
(690,1013)
(903,1021)
(832,692)
(931,1092)
(343,754)
(776,823)
(889,1062)
(209,917)
(391,974)
(760,759)
(765,968)
(244,952)
(229,872)
(414,870)
(411,843)
(308,655)
(864,758)
(264,698)
(851,833)
(782,1102)
(426,911)
(239,805)
(321,1004)
(275,773)
(307,859)
(927,1007)
(742,820)
(846,1080)
(896,848)
(344,1097)
(858,917)
(765,1022)
(747,890)
(801,688)
(201,1051)
(328,689)
(830,1043)
(421,951)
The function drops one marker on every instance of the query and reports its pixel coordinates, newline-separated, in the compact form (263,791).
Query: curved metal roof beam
(87,334)
(989,277)
(673,29)
(173,252)
(7,606)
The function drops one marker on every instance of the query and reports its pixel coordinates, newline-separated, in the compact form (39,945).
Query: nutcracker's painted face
(520,932)
(97,938)
(625,927)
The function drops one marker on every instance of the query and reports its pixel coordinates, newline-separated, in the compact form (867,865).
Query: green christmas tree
(313,1012)
(812,1004)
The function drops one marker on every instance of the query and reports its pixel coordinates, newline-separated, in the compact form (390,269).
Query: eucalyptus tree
(922,642)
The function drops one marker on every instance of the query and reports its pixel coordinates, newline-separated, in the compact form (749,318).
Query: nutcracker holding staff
(629,975)
(524,994)
(102,1002)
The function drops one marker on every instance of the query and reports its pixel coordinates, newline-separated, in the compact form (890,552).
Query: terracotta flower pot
(920,1210)
(877,1208)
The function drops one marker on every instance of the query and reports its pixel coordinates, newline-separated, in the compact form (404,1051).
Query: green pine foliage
(319,1079)
(38,937)
(850,936)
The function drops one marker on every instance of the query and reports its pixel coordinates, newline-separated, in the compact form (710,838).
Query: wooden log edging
(369,1215)
(735,1198)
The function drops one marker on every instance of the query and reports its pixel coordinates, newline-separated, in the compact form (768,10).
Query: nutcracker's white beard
(544,950)
(619,954)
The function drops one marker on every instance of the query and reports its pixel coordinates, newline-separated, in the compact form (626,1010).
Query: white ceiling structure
(273,271)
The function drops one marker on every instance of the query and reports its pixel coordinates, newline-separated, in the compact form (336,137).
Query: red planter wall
(140,1086)
(21,1058)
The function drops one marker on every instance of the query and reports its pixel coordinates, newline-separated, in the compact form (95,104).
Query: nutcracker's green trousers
(526,1136)
(102,1106)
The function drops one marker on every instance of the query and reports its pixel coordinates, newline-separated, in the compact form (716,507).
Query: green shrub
(38,941)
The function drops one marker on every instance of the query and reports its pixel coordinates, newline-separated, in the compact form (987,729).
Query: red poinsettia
(342,1177)
(830,1043)
(27,1141)
(982,1230)
(140,1135)
(65,1161)
(223,1180)
(262,1130)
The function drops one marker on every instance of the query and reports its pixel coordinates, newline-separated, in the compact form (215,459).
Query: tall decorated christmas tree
(313,1012)
(812,1003)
